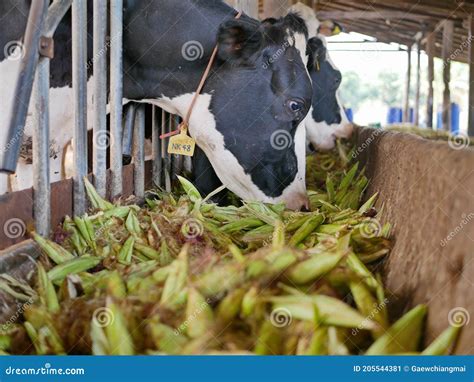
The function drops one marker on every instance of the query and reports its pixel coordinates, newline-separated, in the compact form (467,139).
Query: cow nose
(297,202)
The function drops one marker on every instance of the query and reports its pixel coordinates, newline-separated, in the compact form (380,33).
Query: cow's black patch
(326,81)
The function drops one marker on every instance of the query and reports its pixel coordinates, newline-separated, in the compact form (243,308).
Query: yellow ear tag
(182,144)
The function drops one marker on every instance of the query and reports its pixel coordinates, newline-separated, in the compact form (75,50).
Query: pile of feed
(182,275)
(434,135)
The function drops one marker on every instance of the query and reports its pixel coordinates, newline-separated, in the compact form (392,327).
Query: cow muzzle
(297,201)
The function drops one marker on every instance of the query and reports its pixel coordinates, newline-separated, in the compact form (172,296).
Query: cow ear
(316,50)
(238,40)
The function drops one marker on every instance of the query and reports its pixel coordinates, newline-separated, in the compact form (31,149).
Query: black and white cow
(327,119)
(250,103)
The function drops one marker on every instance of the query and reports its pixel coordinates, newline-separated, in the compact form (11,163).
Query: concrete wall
(428,192)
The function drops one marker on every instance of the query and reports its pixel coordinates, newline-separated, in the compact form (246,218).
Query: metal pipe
(164,150)
(116,94)
(101,137)
(156,142)
(56,12)
(139,152)
(41,150)
(127,142)
(79,80)
(41,164)
(24,85)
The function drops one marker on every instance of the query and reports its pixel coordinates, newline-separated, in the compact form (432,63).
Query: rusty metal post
(157,151)
(24,85)
(448,36)
(139,152)
(79,80)
(116,94)
(41,139)
(101,138)
(41,168)
(127,140)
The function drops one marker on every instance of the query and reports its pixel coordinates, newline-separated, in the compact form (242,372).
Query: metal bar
(471,76)
(24,85)
(166,155)
(116,94)
(157,151)
(139,152)
(127,141)
(79,80)
(448,33)
(41,168)
(430,48)
(56,12)
(418,83)
(101,138)
(406,116)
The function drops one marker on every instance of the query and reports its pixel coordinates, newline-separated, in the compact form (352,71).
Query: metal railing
(126,136)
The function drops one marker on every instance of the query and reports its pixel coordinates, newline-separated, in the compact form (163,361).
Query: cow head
(248,118)
(327,119)
(262,94)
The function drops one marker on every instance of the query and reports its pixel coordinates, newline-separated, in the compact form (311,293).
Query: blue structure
(395,115)
(455,119)
(350,114)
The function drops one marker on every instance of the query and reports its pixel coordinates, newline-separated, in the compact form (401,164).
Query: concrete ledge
(428,192)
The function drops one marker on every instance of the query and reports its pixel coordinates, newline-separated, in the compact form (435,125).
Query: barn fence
(125,137)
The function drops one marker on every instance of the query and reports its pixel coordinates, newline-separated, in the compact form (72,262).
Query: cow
(327,119)
(247,122)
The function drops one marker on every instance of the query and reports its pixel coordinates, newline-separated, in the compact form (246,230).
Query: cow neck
(183,127)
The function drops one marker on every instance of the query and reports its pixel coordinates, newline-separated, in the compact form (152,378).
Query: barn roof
(402,21)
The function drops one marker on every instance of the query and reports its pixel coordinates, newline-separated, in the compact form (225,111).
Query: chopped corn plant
(182,275)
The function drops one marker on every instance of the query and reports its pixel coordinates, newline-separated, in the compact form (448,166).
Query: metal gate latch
(46,47)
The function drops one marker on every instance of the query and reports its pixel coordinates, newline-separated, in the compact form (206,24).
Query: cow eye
(295,105)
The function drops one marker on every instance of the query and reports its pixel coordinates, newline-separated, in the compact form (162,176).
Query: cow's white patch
(300,42)
(61,126)
(202,128)
(309,17)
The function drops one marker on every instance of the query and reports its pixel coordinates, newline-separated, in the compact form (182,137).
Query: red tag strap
(170,134)
(198,91)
